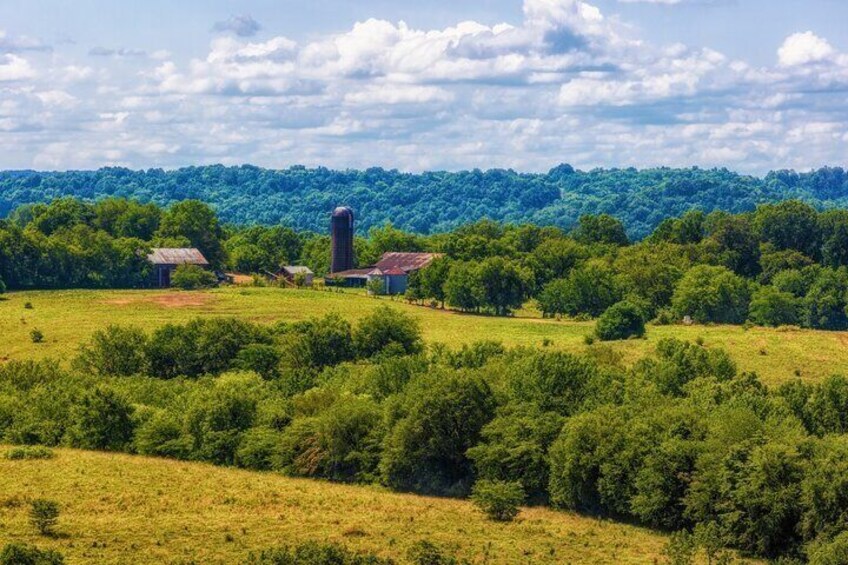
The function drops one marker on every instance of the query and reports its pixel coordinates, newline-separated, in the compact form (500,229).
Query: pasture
(132,509)
(68,318)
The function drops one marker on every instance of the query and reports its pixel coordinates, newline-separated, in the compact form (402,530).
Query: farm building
(166,260)
(291,273)
(393,269)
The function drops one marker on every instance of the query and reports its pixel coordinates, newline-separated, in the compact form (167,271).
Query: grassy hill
(67,318)
(132,509)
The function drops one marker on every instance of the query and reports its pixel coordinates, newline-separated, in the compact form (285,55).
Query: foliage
(36,336)
(771,307)
(44,515)
(622,320)
(23,554)
(29,452)
(192,277)
(499,500)
(313,553)
(712,294)
(101,419)
(387,329)
(115,351)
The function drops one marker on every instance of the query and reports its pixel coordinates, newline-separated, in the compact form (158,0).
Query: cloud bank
(568,83)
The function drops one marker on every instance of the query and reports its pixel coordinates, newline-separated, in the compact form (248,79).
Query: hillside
(68,318)
(132,509)
(435,201)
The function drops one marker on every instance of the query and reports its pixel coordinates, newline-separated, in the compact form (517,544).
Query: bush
(28,452)
(426,553)
(499,500)
(318,343)
(44,515)
(101,419)
(22,554)
(115,351)
(313,553)
(192,277)
(37,336)
(621,321)
(384,328)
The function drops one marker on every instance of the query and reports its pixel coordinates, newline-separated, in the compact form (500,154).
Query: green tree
(712,294)
(600,229)
(22,554)
(115,351)
(771,307)
(463,288)
(505,284)
(425,449)
(791,224)
(198,223)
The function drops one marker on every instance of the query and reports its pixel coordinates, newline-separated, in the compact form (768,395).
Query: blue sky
(748,84)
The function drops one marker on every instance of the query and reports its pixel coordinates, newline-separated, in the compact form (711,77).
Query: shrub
(386,327)
(101,419)
(192,277)
(313,553)
(318,343)
(29,452)
(426,553)
(499,500)
(115,351)
(37,336)
(44,515)
(621,321)
(23,554)
(28,305)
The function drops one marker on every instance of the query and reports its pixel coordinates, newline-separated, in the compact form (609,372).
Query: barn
(393,269)
(165,260)
(291,273)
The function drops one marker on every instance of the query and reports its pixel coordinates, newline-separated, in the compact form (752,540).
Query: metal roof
(176,256)
(294,269)
(406,262)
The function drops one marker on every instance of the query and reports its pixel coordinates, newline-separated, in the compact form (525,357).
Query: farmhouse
(393,270)
(166,259)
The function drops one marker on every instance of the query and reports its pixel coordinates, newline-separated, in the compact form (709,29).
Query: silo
(341,229)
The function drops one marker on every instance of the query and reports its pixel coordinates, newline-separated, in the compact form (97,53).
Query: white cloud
(804,48)
(565,83)
(14,67)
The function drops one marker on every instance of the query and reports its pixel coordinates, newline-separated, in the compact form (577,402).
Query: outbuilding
(165,261)
(292,273)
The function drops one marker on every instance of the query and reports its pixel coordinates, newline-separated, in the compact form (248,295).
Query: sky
(751,85)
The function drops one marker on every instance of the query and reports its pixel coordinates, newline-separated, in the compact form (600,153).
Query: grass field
(67,318)
(131,509)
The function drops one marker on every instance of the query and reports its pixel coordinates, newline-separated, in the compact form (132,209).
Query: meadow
(68,318)
(133,509)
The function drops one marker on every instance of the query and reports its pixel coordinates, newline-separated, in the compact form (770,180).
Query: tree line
(435,201)
(679,441)
(782,264)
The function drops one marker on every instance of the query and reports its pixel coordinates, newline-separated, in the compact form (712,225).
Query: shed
(393,268)
(165,260)
(290,272)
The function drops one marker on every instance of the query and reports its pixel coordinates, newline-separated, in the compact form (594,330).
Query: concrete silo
(341,230)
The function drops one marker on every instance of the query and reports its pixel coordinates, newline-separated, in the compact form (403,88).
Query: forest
(433,202)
